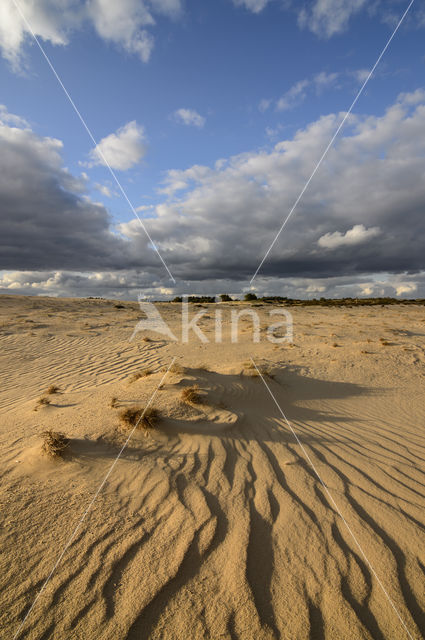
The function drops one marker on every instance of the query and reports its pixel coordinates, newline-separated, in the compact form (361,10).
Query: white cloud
(7,118)
(324,80)
(357,235)
(124,23)
(252,5)
(121,150)
(104,190)
(189,117)
(329,17)
(293,96)
(405,287)
(361,74)
(264,104)
(299,91)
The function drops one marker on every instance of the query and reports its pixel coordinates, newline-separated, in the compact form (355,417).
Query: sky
(199,125)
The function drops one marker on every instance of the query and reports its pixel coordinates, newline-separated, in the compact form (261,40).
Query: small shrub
(255,372)
(42,402)
(146,339)
(140,374)
(190,394)
(54,443)
(53,389)
(138,417)
(175,368)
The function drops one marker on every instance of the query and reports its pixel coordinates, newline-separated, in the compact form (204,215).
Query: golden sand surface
(214,524)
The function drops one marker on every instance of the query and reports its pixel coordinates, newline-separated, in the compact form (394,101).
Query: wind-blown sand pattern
(214,525)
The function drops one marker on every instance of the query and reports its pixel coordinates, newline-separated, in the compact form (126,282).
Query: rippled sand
(216,524)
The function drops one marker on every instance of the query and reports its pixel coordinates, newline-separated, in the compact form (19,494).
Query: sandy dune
(215,525)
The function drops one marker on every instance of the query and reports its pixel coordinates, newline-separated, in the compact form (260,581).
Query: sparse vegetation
(191,395)
(252,371)
(42,402)
(52,389)
(140,374)
(139,417)
(113,403)
(54,443)
(322,302)
(176,368)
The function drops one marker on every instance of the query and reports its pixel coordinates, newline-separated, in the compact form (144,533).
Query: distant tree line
(322,302)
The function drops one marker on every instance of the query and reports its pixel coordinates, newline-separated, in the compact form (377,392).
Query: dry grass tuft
(249,369)
(191,394)
(140,417)
(140,374)
(146,339)
(42,402)
(384,343)
(113,403)
(53,389)
(335,344)
(176,368)
(54,443)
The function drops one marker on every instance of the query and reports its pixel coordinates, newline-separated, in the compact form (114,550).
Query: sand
(214,524)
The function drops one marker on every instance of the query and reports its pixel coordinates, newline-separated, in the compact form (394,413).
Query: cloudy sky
(205,121)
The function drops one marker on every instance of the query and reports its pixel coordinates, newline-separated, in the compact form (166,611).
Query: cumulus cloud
(47,221)
(128,284)
(127,23)
(189,117)
(328,17)
(122,149)
(214,224)
(357,235)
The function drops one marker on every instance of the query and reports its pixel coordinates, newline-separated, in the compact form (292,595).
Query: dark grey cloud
(220,222)
(46,222)
(363,213)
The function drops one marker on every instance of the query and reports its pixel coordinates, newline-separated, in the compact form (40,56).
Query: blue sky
(248,74)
